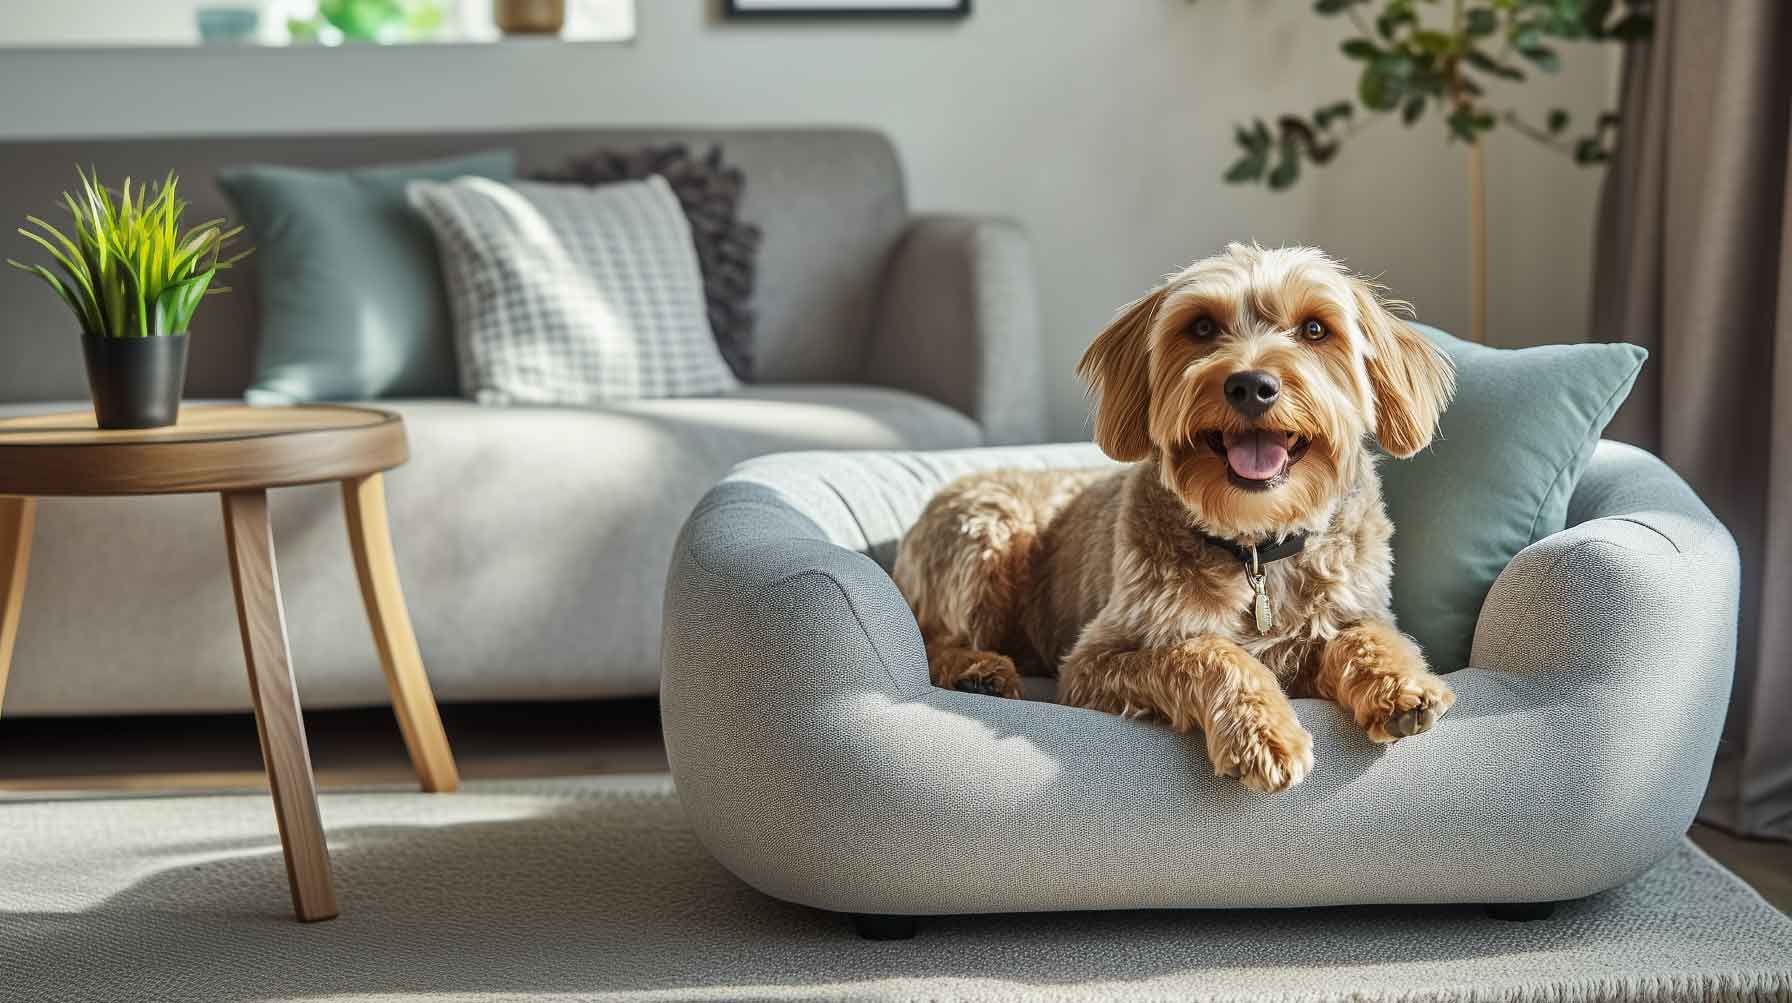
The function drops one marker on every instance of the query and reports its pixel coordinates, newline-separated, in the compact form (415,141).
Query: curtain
(1694,263)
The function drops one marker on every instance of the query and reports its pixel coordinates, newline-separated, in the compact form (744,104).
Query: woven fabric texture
(541,581)
(572,296)
(818,763)
(597,889)
(709,189)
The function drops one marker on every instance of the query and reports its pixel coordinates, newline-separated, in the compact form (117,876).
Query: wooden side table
(240,452)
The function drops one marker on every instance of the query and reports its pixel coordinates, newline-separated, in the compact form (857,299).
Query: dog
(1243,557)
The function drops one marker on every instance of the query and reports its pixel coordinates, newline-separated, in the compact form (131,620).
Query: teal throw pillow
(1497,478)
(352,299)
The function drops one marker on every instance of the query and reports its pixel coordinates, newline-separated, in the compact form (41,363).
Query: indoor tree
(1425,56)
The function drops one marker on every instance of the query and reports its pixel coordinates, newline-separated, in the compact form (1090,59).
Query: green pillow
(1510,449)
(352,303)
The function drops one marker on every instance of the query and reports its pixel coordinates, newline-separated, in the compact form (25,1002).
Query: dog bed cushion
(1510,450)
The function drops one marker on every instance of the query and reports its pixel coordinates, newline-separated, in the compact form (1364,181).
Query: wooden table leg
(250,540)
(16,518)
(364,502)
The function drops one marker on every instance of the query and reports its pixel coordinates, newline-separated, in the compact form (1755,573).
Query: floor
(491,742)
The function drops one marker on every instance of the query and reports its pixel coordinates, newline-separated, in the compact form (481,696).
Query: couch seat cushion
(533,545)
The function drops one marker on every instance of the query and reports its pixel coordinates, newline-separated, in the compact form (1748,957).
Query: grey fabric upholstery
(964,287)
(817,763)
(532,544)
(830,201)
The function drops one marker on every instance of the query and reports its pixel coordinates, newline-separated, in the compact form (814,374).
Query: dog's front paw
(1266,749)
(982,672)
(1405,707)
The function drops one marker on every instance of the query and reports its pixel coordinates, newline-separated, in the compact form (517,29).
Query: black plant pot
(136,382)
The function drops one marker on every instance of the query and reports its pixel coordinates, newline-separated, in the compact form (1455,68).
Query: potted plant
(133,278)
(1451,58)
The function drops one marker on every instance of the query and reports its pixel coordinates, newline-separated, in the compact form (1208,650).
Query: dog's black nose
(1252,392)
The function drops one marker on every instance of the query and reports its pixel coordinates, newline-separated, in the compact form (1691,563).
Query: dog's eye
(1203,328)
(1312,330)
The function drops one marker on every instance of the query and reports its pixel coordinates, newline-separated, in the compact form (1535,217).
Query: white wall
(1103,125)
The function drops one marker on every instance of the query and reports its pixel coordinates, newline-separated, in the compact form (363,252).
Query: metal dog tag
(1266,617)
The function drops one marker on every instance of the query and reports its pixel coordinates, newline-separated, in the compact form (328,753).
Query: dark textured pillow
(709,191)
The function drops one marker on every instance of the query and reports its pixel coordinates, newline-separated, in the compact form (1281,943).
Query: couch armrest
(959,323)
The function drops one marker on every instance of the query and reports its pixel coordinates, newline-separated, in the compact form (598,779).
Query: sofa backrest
(830,202)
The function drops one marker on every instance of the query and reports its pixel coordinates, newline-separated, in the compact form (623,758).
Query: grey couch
(532,543)
(818,764)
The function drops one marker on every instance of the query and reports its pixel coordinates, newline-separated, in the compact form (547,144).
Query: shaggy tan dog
(1244,555)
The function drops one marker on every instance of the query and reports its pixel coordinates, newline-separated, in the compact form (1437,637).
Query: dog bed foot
(1521,912)
(874,926)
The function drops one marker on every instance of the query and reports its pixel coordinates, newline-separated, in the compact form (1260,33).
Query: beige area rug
(595,889)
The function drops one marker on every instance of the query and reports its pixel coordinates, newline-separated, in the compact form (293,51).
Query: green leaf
(1487,64)
(1331,6)
(1557,121)
(1292,126)
(1397,64)
(1324,117)
(51,279)
(1247,168)
(1588,151)
(1287,169)
(1481,22)
(1389,23)
(1434,41)
(1543,57)
(1462,124)
(174,308)
(1376,90)
(1360,48)
(1415,106)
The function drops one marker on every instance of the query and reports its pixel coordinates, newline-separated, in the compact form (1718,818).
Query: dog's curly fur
(1104,578)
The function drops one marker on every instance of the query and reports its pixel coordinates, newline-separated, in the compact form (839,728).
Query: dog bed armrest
(1624,626)
(1643,579)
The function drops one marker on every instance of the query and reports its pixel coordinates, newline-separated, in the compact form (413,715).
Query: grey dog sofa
(819,765)
(532,542)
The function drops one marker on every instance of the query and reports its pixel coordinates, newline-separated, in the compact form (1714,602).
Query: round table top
(221,447)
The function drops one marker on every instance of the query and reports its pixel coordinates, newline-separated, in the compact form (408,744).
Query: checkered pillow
(564,295)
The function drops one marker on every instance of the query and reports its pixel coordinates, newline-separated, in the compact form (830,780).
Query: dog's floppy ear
(1412,379)
(1116,367)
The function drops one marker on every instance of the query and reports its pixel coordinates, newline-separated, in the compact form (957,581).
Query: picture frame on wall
(846,8)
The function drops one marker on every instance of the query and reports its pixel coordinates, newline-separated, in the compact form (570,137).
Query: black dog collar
(1265,553)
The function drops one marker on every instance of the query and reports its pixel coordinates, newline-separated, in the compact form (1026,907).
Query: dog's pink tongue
(1256,455)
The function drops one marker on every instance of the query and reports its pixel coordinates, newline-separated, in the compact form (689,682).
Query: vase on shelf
(529,17)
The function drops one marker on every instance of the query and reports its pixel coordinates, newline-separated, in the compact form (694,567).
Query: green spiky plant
(129,270)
